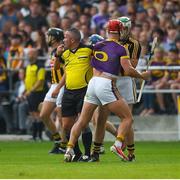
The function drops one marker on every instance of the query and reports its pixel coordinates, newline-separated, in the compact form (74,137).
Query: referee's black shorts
(72,101)
(34,99)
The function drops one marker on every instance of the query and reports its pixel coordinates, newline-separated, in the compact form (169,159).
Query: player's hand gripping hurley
(154,43)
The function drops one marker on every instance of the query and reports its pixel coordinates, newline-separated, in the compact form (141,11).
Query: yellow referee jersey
(77,67)
(56,75)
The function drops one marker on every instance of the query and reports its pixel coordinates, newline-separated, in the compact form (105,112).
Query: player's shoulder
(86,46)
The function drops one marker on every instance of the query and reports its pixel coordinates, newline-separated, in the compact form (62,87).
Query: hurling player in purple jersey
(93,39)
(109,57)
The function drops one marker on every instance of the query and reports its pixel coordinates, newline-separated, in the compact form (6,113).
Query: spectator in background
(175,84)
(141,14)
(13,30)
(65,23)
(136,30)
(35,18)
(25,8)
(177,42)
(100,19)
(169,77)
(113,7)
(9,14)
(94,10)
(159,33)
(65,5)
(85,33)
(151,12)
(170,40)
(53,19)
(3,73)
(20,105)
(15,57)
(72,14)
(164,18)
(146,29)
(54,5)
(154,22)
(156,75)
(84,19)
(39,42)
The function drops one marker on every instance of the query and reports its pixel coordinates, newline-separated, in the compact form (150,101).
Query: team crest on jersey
(101,56)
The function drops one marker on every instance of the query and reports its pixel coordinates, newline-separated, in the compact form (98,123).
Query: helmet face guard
(126,22)
(50,40)
(54,35)
(124,34)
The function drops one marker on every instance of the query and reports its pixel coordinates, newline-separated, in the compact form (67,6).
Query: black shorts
(72,101)
(34,99)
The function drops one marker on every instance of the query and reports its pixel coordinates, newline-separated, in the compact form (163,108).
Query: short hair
(76,33)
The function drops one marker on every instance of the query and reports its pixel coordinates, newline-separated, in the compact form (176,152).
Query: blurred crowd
(24,23)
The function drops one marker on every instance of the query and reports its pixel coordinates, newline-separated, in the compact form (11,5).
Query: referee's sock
(87,140)
(34,130)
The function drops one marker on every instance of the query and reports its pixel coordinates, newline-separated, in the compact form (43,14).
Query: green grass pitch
(154,160)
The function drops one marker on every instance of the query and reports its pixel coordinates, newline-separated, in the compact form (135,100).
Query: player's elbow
(129,70)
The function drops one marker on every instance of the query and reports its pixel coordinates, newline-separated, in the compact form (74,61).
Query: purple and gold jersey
(157,74)
(107,55)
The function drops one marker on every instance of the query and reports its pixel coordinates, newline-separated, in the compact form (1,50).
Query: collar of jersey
(114,40)
(80,45)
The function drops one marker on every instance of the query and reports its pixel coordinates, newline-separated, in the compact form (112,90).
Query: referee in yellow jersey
(78,72)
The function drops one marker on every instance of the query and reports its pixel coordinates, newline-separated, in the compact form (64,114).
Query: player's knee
(44,116)
(129,120)
(67,126)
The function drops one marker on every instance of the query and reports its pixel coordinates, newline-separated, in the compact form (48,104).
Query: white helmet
(126,22)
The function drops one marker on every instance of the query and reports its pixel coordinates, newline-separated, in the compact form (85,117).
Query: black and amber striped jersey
(56,75)
(134,49)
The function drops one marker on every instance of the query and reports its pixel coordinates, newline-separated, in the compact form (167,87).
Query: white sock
(118,143)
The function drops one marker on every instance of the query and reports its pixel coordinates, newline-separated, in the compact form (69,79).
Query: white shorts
(59,98)
(101,91)
(48,96)
(127,89)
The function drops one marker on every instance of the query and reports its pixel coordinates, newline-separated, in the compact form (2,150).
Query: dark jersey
(56,75)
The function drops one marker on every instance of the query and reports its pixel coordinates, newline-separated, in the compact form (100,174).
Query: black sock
(130,148)
(57,138)
(77,150)
(63,145)
(34,130)
(40,127)
(96,148)
(87,141)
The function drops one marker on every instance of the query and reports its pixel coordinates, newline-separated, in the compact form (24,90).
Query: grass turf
(30,160)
